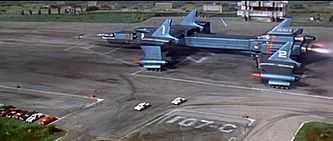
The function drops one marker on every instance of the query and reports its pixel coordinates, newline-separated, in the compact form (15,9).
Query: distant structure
(212,8)
(72,10)
(163,5)
(92,3)
(270,11)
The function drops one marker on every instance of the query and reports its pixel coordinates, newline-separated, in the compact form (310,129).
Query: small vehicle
(5,112)
(11,113)
(47,119)
(178,100)
(1,105)
(25,116)
(142,106)
(19,114)
(34,117)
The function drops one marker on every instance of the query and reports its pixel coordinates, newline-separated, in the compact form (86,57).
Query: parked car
(34,117)
(142,106)
(19,114)
(27,115)
(178,100)
(47,120)
(4,112)
(10,113)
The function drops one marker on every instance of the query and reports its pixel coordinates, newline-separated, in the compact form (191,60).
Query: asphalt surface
(59,73)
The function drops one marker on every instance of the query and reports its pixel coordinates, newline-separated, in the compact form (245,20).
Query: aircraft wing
(153,57)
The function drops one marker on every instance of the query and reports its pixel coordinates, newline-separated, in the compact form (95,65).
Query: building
(262,10)
(212,8)
(92,3)
(164,5)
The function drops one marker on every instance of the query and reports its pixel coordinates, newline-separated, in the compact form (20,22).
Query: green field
(15,130)
(315,131)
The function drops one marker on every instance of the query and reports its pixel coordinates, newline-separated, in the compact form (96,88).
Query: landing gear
(154,69)
(279,87)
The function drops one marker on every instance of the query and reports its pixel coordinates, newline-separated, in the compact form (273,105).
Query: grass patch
(15,130)
(315,131)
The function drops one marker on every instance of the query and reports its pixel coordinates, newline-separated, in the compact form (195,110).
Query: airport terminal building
(262,10)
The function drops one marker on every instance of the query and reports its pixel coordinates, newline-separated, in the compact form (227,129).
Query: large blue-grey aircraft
(275,51)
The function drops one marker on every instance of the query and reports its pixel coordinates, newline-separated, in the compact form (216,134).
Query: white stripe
(279,65)
(154,39)
(236,86)
(45,92)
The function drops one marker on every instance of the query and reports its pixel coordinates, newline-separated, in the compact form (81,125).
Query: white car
(142,106)
(34,117)
(178,100)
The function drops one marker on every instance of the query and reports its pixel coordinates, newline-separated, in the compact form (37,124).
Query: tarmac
(59,74)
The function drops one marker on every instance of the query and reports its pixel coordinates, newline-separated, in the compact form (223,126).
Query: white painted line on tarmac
(111,51)
(98,100)
(46,92)
(61,118)
(196,61)
(233,86)
(251,121)
(160,119)
(299,128)
(70,48)
(117,59)
(147,124)
(139,71)
(235,117)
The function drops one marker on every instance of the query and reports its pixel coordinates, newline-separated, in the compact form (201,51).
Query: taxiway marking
(140,127)
(111,51)
(98,100)
(70,48)
(136,72)
(162,118)
(196,61)
(233,86)
(102,54)
(299,128)
(67,115)
(105,55)
(46,92)
(251,121)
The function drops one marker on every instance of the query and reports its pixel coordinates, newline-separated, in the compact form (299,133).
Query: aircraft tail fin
(283,27)
(164,30)
(283,55)
(190,20)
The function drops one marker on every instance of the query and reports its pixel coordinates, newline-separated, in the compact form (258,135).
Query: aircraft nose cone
(297,78)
